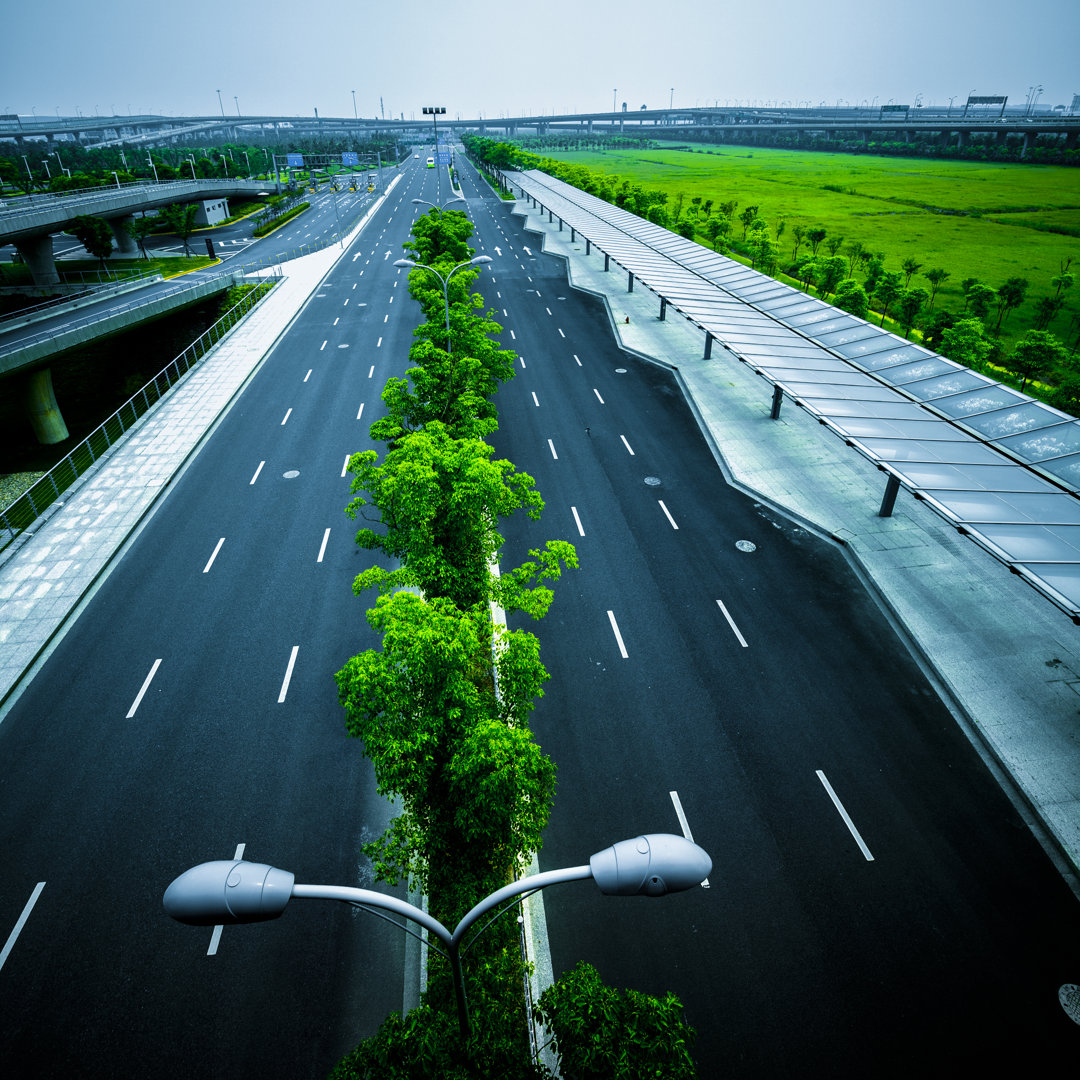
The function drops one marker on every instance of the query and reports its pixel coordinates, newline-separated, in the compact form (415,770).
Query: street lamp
(150,159)
(445,282)
(191,162)
(424,202)
(355,117)
(227,892)
(220,105)
(236,99)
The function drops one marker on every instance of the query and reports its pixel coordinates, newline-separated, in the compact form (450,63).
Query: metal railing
(21,514)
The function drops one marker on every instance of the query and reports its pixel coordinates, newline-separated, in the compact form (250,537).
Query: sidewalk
(49,570)
(1007,658)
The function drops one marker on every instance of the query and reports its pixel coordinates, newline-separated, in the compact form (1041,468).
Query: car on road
(431,163)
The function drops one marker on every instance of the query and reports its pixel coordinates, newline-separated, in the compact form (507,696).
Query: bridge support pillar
(37,253)
(961,140)
(42,409)
(1027,144)
(126,248)
(1070,140)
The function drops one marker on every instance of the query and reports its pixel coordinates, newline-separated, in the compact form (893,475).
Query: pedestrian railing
(21,514)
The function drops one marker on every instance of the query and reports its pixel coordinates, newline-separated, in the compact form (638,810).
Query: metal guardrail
(21,514)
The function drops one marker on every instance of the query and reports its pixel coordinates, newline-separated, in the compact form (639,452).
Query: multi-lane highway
(876,905)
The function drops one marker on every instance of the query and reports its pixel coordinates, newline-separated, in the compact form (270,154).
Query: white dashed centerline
(577,521)
(627,445)
(684,825)
(18,928)
(288,674)
(598,397)
(257,471)
(618,636)
(667,514)
(213,556)
(844,814)
(731,623)
(286,417)
(551,447)
(145,686)
(322,548)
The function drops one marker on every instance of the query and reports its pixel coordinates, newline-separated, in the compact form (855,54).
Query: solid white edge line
(213,556)
(731,623)
(145,686)
(844,814)
(322,549)
(684,825)
(577,521)
(288,674)
(257,471)
(627,445)
(667,513)
(618,636)
(17,929)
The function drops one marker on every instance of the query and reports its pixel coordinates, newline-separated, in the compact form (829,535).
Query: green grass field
(986,221)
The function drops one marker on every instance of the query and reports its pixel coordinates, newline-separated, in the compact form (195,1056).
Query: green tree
(851,297)
(911,302)
(94,234)
(602,1033)
(966,343)
(440,236)
(887,292)
(1046,309)
(747,218)
(685,228)
(936,277)
(180,218)
(875,268)
(980,299)
(856,252)
(910,267)
(1010,295)
(1036,354)
(830,272)
(717,229)
(815,236)
(798,234)
(834,244)
(139,228)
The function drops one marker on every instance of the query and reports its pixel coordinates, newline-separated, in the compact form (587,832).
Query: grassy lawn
(929,210)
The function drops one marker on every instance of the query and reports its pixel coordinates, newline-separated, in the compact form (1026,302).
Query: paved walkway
(1007,658)
(47,572)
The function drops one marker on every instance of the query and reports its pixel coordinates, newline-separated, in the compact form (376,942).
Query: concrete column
(42,409)
(962,139)
(126,248)
(37,253)
(1027,144)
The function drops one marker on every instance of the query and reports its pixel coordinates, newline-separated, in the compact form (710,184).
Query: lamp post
(355,117)
(227,892)
(191,162)
(424,202)
(150,159)
(236,100)
(445,282)
(220,105)
(435,111)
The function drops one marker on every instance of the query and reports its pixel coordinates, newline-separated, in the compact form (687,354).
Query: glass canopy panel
(924,369)
(848,335)
(867,345)
(887,358)
(1034,543)
(1062,580)
(997,425)
(903,429)
(955,382)
(1058,440)
(1067,470)
(941,476)
(828,387)
(983,400)
(882,410)
(1031,507)
(968,452)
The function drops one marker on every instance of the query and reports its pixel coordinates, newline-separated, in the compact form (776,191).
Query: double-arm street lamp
(445,282)
(236,891)
(436,206)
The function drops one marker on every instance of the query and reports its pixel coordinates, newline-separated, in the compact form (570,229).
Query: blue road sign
(350,158)
(294,161)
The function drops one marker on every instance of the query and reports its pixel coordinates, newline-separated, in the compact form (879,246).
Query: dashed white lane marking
(145,686)
(286,417)
(684,825)
(322,346)
(522,359)
(627,445)
(257,471)
(598,397)
(371,371)
(576,358)
(378,344)
(308,375)
(551,447)
(577,521)
(667,514)
(618,636)
(345,467)
(513,336)
(561,334)
(22,920)
(361,412)
(731,623)
(322,548)
(844,814)
(213,556)
(215,937)
(288,674)
(536,401)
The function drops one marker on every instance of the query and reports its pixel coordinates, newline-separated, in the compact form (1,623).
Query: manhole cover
(1069,996)
(292,474)
(652,481)
(746,545)
(620,371)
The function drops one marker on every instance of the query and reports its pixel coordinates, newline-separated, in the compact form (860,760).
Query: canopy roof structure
(1003,468)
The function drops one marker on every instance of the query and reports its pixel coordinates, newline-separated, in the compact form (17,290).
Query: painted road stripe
(213,556)
(345,467)
(618,636)
(257,471)
(561,334)
(308,375)
(551,447)
(288,674)
(322,549)
(627,445)
(667,514)
(371,371)
(513,336)
(684,825)
(286,417)
(731,623)
(215,937)
(536,400)
(522,359)
(577,521)
(360,413)
(844,814)
(145,686)
(598,397)
(322,346)
(17,930)
(576,358)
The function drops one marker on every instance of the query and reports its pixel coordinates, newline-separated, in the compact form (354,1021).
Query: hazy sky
(505,59)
